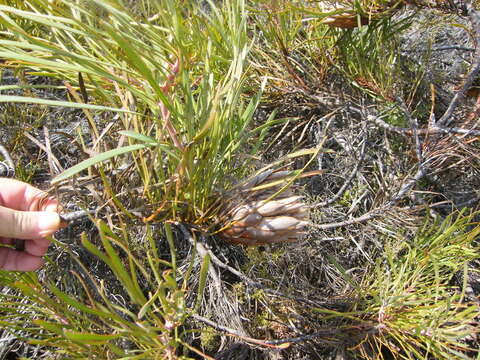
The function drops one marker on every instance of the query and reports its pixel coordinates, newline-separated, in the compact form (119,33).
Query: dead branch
(347,182)
(432,130)
(232,332)
(396,129)
(365,217)
(474,17)
(328,333)
(203,251)
(421,172)
(7,167)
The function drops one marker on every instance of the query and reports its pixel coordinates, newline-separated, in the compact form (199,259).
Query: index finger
(18,195)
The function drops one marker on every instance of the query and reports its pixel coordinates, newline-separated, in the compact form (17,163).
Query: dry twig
(474,17)
(328,334)
(347,182)
(203,251)
(7,167)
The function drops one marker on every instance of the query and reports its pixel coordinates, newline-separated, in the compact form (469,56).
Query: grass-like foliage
(371,57)
(169,77)
(408,307)
(292,51)
(173,72)
(79,318)
(299,43)
(169,90)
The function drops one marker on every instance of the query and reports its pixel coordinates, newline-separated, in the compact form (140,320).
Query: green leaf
(55,328)
(78,305)
(31,100)
(171,244)
(90,338)
(202,280)
(115,263)
(146,307)
(96,159)
(138,136)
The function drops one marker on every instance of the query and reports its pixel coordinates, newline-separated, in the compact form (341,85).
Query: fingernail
(51,207)
(48,223)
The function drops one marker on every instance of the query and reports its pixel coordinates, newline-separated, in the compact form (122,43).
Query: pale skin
(26,213)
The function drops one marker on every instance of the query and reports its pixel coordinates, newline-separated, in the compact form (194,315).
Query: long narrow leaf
(97,159)
(65,104)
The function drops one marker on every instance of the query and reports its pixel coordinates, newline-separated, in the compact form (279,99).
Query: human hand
(27,214)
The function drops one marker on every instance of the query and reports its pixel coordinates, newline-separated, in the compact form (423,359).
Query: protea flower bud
(261,216)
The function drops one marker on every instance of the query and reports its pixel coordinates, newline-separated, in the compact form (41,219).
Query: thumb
(27,225)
